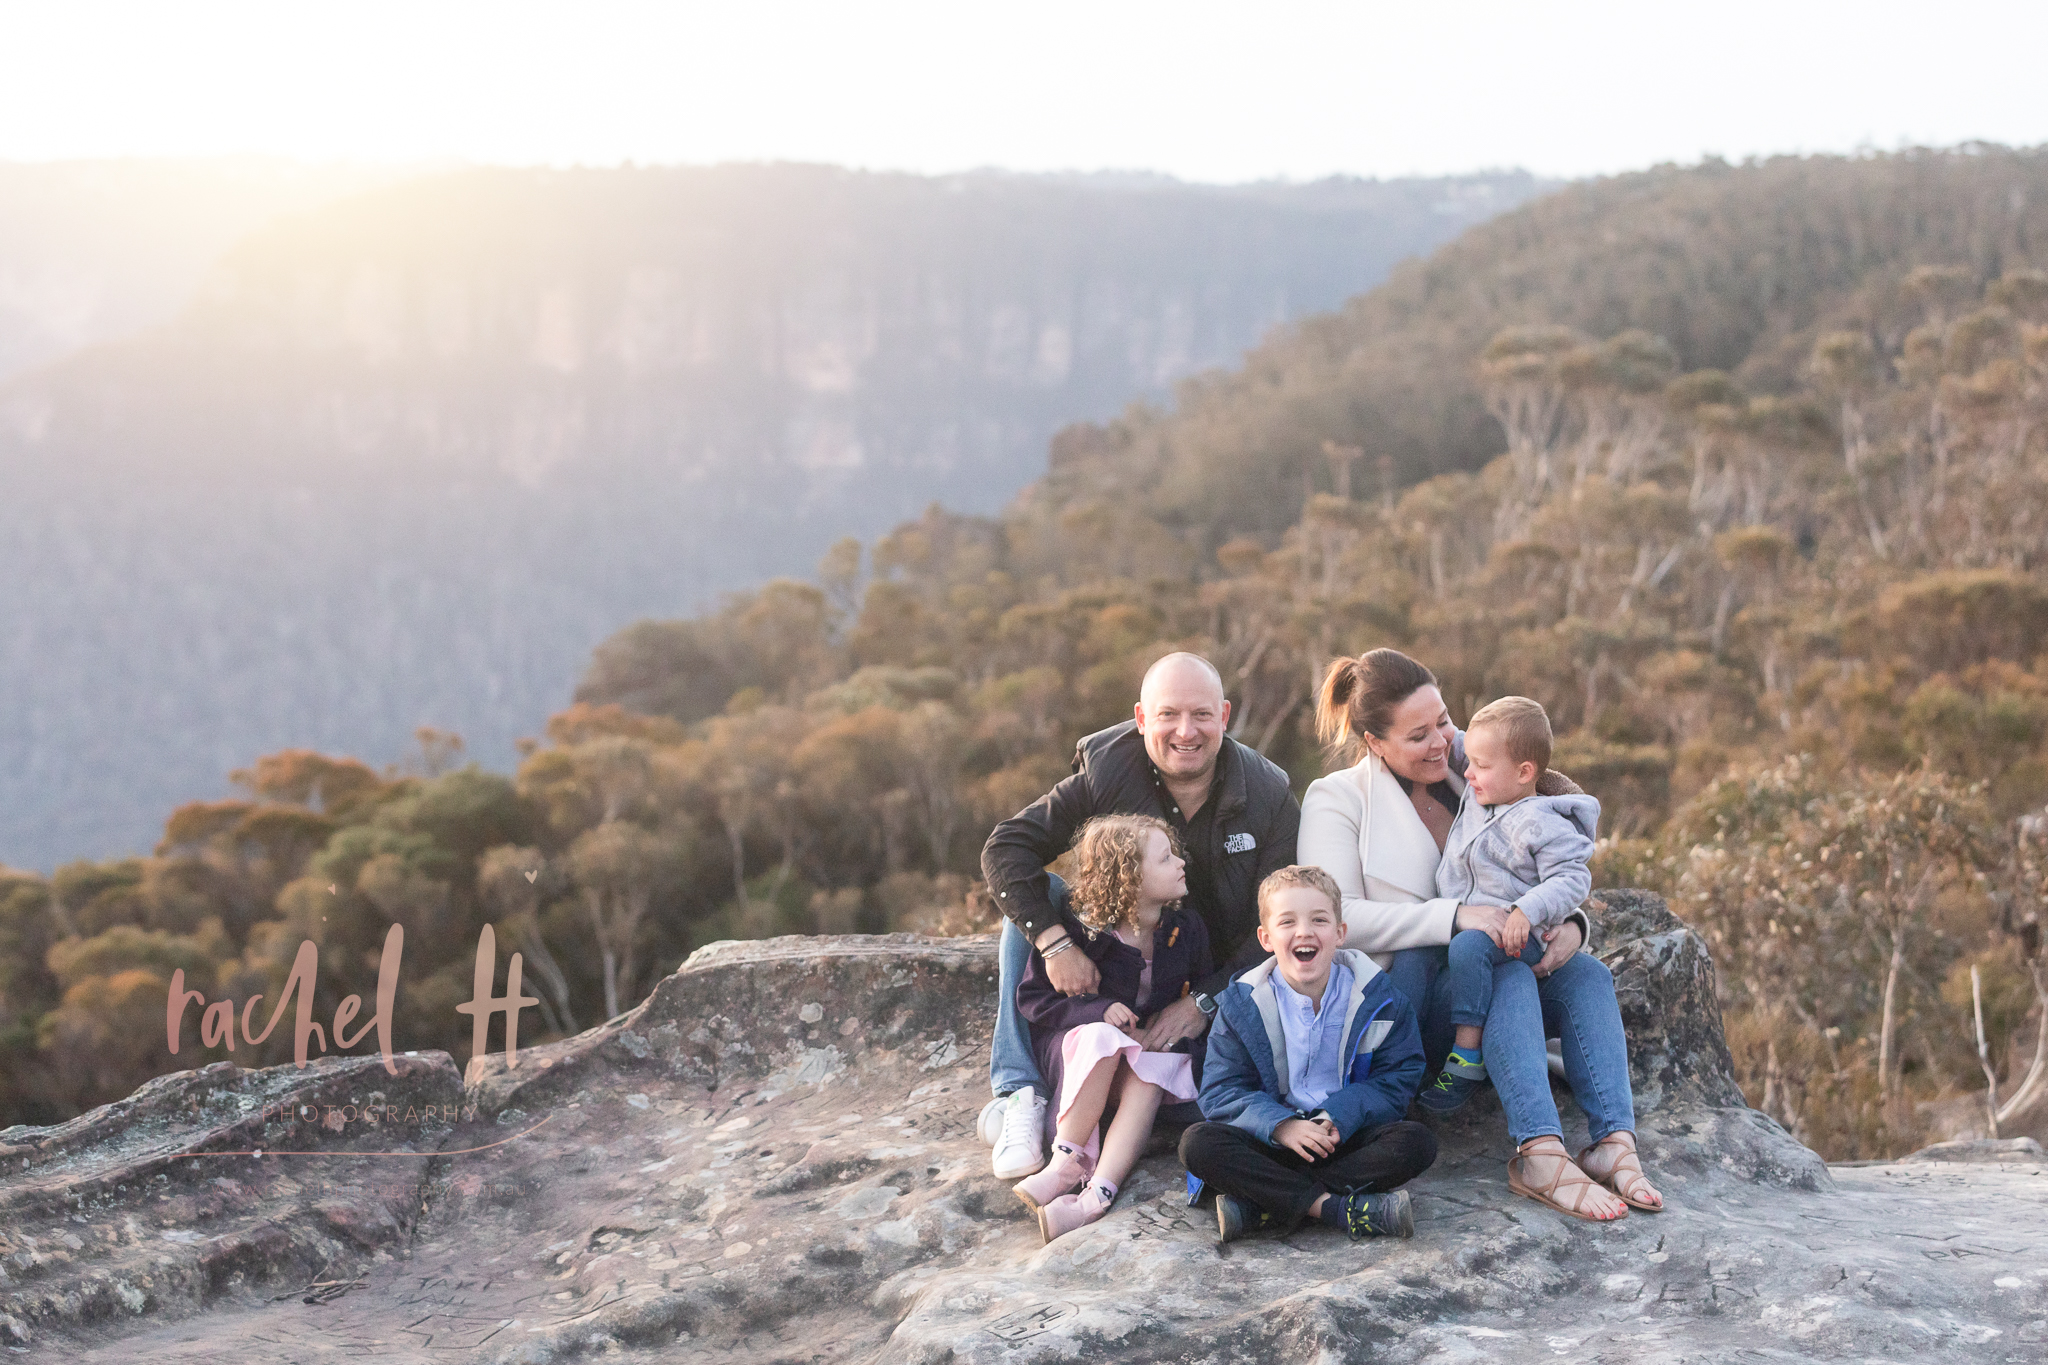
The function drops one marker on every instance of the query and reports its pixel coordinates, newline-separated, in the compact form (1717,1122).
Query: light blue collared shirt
(1315,1039)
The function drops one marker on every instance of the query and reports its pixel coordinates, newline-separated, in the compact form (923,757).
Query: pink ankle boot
(1071,1211)
(1066,1171)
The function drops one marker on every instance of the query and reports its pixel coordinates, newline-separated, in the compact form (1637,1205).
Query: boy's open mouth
(1306,952)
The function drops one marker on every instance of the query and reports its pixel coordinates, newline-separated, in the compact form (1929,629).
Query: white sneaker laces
(1021,1121)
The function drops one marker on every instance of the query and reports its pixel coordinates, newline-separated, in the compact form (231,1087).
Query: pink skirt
(1085,1047)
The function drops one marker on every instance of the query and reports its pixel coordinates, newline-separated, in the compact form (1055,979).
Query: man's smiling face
(1301,928)
(1182,714)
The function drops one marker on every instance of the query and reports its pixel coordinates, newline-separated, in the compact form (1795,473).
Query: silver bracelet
(1057,948)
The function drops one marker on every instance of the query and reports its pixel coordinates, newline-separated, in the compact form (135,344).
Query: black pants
(1281,1183)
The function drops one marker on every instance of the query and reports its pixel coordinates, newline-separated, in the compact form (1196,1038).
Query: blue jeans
(1414,973)
(1574,1004)
(1011,1063)
(1470,960)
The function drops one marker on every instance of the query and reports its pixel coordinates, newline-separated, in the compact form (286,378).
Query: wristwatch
(1206,1003)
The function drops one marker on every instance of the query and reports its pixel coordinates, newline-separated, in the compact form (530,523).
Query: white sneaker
(1020,1147)
(990,1124)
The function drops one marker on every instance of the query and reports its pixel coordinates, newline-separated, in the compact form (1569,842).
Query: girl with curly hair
(1123,912)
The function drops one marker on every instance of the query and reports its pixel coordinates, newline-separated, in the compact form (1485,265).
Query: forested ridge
(1738,469)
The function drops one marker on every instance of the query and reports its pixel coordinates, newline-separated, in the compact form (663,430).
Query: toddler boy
(1508,847)
(1313,1058)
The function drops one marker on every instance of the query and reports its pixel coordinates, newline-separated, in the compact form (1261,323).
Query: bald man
(1237,820)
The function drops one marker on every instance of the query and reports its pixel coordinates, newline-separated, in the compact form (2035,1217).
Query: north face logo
(1240,843)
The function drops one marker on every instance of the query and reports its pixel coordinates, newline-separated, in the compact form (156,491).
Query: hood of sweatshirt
(1580,810)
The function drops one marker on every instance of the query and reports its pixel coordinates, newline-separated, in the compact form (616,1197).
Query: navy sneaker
(1235,1217)
(1455,1084)
(1378,1215)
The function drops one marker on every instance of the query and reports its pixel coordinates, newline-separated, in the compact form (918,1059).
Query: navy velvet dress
(1180,957)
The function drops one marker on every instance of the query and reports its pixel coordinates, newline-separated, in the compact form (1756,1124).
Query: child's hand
(1514,933)
(1309,1139)
(1120,1015)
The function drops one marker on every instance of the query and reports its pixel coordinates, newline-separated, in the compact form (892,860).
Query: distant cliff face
(407,458)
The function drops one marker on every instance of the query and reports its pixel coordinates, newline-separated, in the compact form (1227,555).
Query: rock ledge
(772,1158)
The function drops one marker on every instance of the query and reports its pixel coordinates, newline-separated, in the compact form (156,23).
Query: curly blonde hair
(1110,853)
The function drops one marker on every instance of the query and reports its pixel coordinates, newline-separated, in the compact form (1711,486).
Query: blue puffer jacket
(1244,1079)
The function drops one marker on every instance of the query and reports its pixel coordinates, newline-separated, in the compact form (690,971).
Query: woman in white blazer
(1378,828)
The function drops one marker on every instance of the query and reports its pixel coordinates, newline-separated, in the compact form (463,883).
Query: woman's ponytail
(1333,704)
(1358,697)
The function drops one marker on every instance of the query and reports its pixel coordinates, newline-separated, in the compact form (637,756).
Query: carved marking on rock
(1027,1323)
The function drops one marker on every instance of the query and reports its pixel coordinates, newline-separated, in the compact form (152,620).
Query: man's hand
(1309,1139)
(1071,972)
(1563,941)
(1177,1021)
(1490,920)
(1514,932)
(1120,1015)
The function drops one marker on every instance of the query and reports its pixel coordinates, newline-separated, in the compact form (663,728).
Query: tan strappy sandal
(1567,1178)
(1626,1178)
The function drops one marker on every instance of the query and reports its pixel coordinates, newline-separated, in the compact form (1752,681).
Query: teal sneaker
(1455,1084)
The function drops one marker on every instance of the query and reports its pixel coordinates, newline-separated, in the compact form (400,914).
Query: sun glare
(1194,89)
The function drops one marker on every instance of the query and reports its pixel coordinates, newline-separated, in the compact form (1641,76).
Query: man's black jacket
(1252,833)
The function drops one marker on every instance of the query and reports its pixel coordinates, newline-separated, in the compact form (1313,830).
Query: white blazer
(1360,827)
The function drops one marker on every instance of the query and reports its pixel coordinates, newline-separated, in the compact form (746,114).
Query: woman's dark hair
(1359,695)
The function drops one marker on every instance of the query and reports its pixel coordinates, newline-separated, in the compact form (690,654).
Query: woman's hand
(1562,942)
(1490,920)
(1120,1016)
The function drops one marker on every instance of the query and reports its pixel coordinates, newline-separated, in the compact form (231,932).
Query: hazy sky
(1203,90)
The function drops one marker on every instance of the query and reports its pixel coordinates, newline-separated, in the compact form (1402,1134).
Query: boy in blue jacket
(1313,1059)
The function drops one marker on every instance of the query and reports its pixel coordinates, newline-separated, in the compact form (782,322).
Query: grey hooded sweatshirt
(1531,853)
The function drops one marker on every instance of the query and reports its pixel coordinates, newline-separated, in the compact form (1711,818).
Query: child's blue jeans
(1472,956)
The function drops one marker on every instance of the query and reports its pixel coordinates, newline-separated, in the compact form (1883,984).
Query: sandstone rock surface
(773,1159)
(2022,1149)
